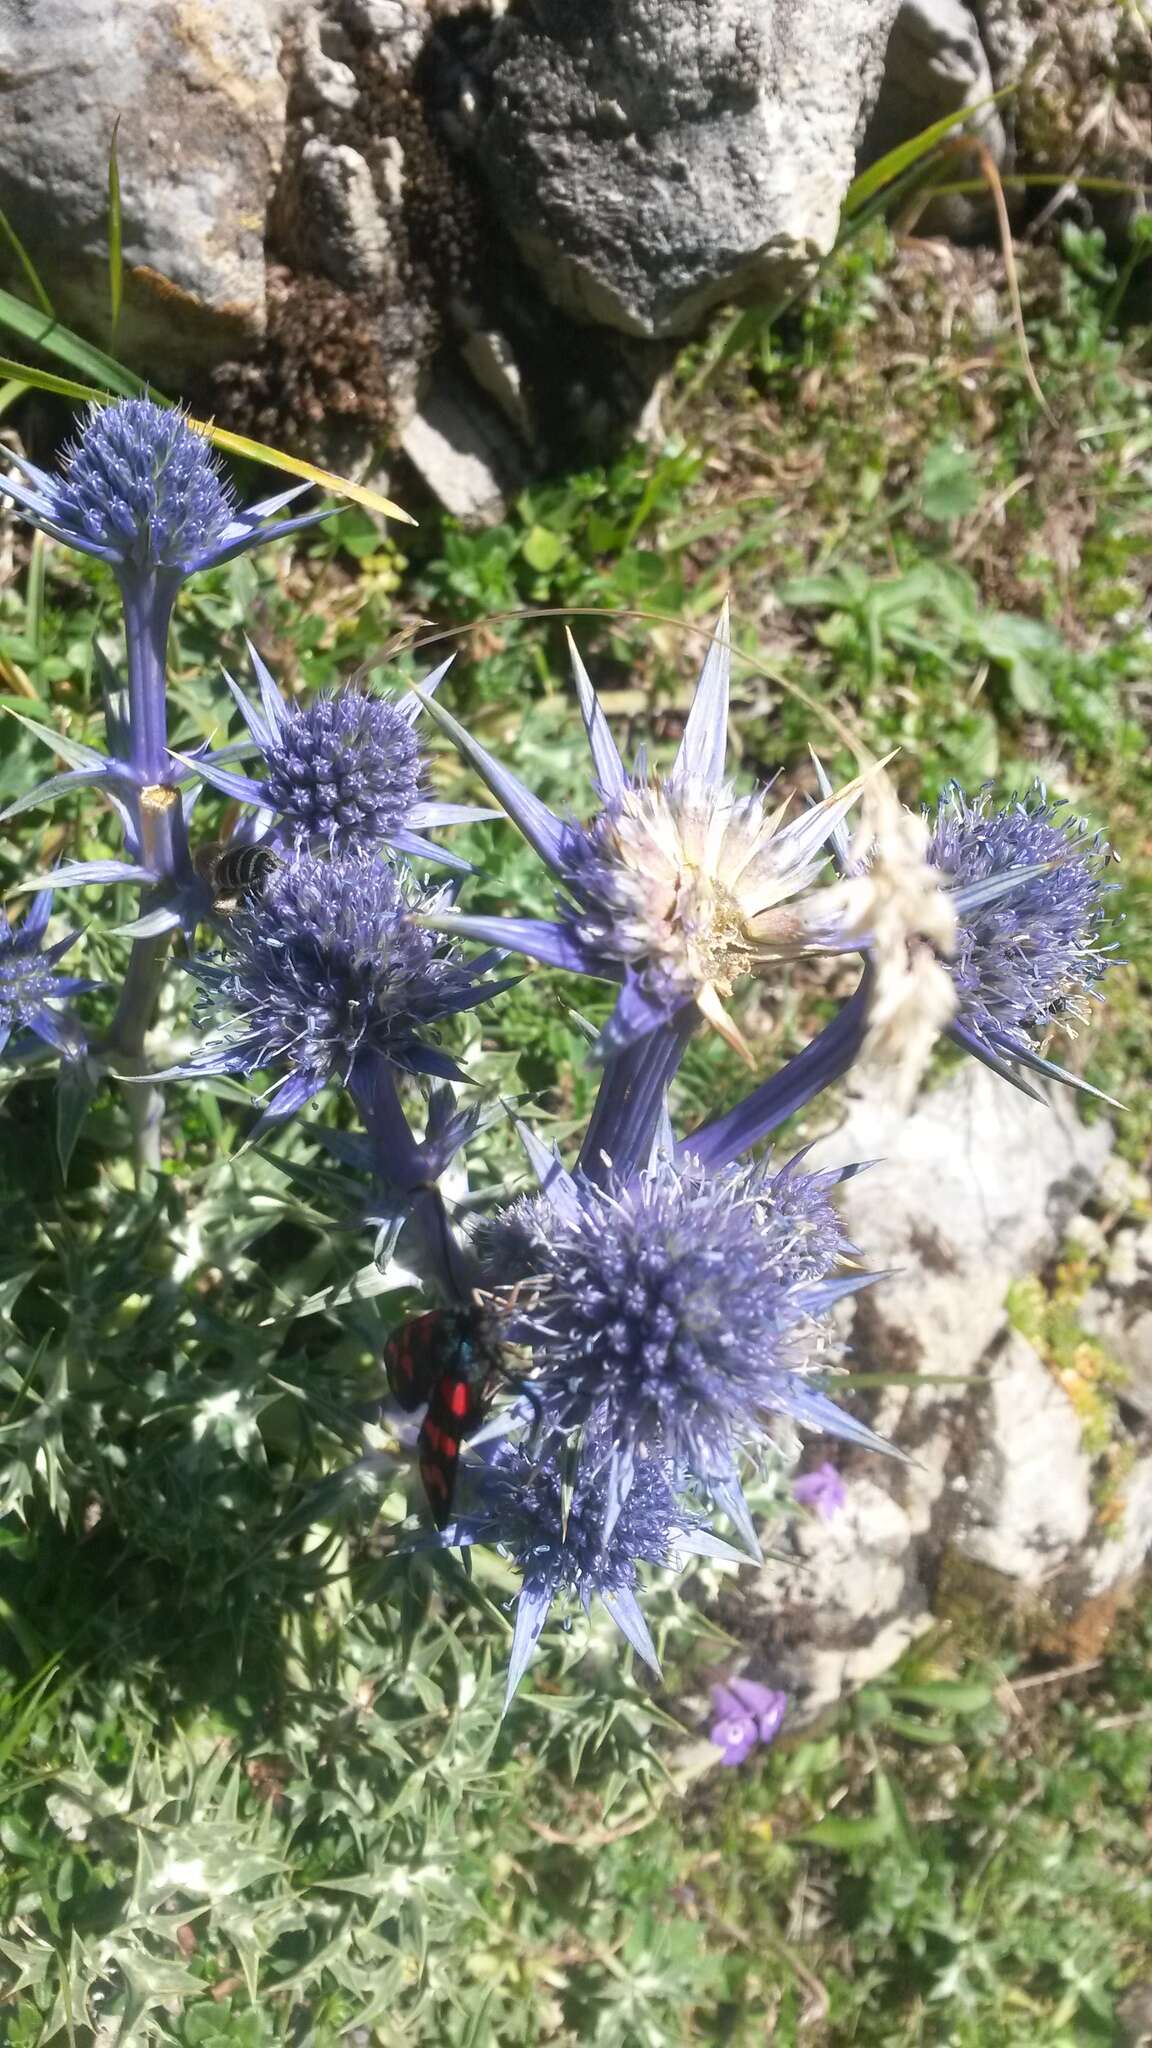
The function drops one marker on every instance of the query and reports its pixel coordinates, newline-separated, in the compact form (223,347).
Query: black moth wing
(414,1355)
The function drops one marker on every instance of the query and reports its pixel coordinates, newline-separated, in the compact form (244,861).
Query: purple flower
(30,989)
(670,1314)
(560,1547)
(141,489)
(823,1490)
(1028,954)
(326,968)
(746,1715)
(342,773)
(678,887)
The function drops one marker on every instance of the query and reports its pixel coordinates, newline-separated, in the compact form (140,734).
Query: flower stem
(148,603)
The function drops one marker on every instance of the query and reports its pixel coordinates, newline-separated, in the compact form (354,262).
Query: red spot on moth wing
(459,1397)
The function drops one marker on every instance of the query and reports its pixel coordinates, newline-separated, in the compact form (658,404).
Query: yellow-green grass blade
(906,154)
(222,438)
(295,465)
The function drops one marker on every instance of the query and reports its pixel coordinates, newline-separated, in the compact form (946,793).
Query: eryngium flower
(1025,961)
(679,887)
(29,986)
(323,969)
(517,1505)
(669,1315)
(141,489)
(343,772)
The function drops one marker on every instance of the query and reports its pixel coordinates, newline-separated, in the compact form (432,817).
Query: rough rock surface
(967,1195)
(1028,1496)
(1000,1483)
(654,157)
(935,66)
(200,104)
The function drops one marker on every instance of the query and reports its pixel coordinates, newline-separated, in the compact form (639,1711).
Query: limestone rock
(935,66)
(200,102)
(970,1192)
(844,1608)
(1029,1499)
(655,157)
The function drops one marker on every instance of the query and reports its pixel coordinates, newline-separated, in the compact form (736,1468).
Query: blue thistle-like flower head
(517,1505)
(30,988)
(669,1313)
(143,486)
(1026,960)
(343,770)
(324,968)
(141,489)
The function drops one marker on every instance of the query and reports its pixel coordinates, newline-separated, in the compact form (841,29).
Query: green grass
(254,1787)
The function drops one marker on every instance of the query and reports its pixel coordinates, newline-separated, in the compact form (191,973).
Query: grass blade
(34,602)
(115,235)
(57,340)
(907,154)
(35,283)
(295,465)
(222,438)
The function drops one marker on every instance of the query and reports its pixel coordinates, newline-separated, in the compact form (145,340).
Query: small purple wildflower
(326,968)
(342,773)
(747,1715)
(823,1491)
(1025,960)
(30,989)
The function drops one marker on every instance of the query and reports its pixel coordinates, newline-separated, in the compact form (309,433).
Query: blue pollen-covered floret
(1027,959)
(670,1312)
(344,770)
(326,966)
(142,482)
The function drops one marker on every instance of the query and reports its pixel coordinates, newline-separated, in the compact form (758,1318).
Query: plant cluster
(605,1361)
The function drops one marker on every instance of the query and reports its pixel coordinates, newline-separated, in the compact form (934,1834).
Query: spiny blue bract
(518,1506)
(140,481)
(325,966)
(671,1310)
(1029,957)
(29,984)
(344,769)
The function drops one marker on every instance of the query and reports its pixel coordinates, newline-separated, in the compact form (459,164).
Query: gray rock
(655,157)
(935,66)
(345,224)
(464,451)
(200,102)
(1116,1561)
(1029,1501)
(845,1607)
(970,1192)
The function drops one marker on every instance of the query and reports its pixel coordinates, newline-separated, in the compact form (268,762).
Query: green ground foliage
(253,1784)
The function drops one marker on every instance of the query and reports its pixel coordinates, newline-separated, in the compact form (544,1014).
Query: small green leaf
(949,486)
(542,549)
